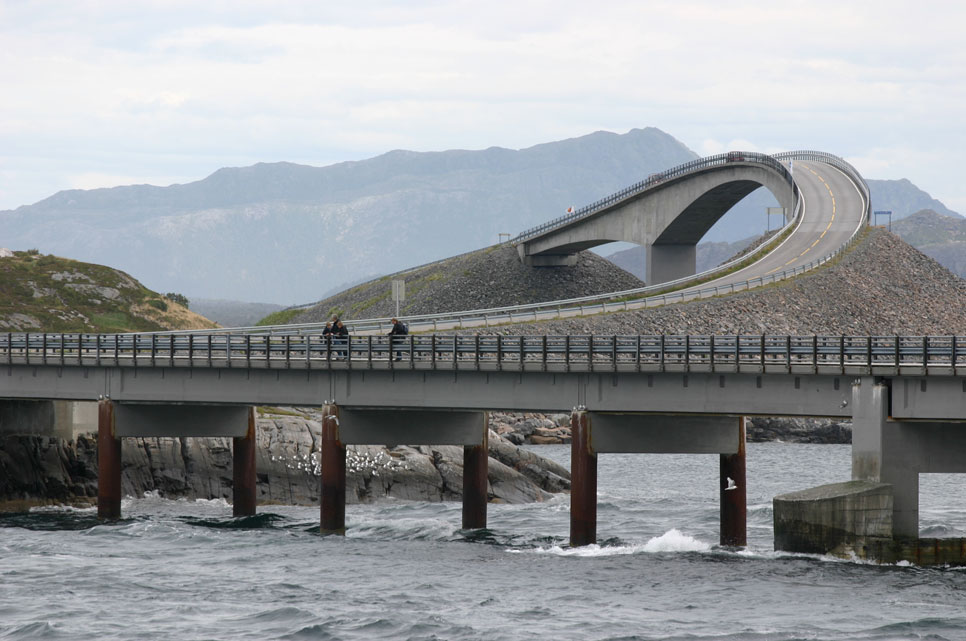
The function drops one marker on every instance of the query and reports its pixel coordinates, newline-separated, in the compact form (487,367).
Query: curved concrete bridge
(670,212)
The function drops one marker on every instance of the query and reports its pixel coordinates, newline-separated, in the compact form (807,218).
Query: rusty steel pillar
(475,472)
(108,463)
(583,481)
(243,470)
(333,473)
(734,494)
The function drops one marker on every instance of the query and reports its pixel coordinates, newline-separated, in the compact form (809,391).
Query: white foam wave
(675,541)
(671,541)
(63,508)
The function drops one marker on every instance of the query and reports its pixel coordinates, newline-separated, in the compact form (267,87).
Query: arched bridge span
(668,213)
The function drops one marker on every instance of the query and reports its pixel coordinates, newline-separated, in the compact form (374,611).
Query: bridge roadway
(834,208)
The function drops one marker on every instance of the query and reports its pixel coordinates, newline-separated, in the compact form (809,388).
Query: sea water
(176,569)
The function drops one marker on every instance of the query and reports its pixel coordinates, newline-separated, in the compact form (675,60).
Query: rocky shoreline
(554,429)
(39,470)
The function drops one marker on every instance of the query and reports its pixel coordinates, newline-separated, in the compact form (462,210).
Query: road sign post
(398,293)
(769,211)
(883,212)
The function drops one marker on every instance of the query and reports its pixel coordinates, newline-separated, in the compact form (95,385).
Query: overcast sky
(97,94)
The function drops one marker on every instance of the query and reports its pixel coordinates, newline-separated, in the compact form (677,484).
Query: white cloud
(171,88)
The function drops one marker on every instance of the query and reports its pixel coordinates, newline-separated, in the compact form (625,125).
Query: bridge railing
(837,162)
(874,355)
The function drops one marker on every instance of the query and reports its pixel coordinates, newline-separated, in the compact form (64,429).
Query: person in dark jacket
(340,334)
(398,330)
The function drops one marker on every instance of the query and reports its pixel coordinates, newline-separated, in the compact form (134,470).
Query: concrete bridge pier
(900,429)
(108,463)
(670,262)
(891,444)
(343,426)
(119,420)
(593,433)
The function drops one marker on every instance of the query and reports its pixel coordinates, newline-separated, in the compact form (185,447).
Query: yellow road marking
(825,231)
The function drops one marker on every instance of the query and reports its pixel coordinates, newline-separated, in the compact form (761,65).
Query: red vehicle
(735,156)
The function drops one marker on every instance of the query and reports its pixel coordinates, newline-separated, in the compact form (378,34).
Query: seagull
(731,484)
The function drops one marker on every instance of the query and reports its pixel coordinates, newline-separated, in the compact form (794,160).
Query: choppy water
(188,570)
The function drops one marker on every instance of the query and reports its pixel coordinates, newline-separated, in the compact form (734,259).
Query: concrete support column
(734,494)
(583,481)
(670,262)
(243,470)
(475,475)
(333,473)
(108,463)
(890,452)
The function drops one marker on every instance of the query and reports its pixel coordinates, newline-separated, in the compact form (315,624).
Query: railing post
(711,354)
(868,353)
(842,354)
(788,352)
(687,352)
(662,353)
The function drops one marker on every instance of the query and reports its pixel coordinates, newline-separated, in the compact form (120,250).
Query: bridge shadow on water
(54,520)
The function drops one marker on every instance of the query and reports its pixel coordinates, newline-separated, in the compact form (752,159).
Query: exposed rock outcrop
(44,470)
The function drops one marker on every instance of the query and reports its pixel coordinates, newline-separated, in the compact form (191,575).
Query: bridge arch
(668,214)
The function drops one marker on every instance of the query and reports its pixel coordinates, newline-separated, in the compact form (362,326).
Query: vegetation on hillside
(53,294)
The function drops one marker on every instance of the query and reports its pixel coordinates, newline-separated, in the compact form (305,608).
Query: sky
(105,93)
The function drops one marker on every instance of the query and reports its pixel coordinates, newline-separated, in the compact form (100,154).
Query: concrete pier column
(670,262)
(333,473)
(882,451)
(243,470)
(475,474)
(108,463)
(734,494)
(583,481)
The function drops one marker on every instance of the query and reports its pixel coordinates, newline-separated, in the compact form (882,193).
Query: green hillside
(53,294)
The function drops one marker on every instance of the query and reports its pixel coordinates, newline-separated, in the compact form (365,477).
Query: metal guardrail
(610,301)
(845,355)
(840,164)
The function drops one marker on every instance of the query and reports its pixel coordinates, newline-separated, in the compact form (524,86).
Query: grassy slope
(48,293)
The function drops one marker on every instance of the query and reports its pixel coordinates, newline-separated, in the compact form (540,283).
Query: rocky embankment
(40,470)
(552,429)
(491,277)
(883,287)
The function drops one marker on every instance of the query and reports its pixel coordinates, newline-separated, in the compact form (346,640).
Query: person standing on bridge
(341,334)
(398,330)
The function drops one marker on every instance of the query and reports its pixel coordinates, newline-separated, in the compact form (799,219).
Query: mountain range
(285,233)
